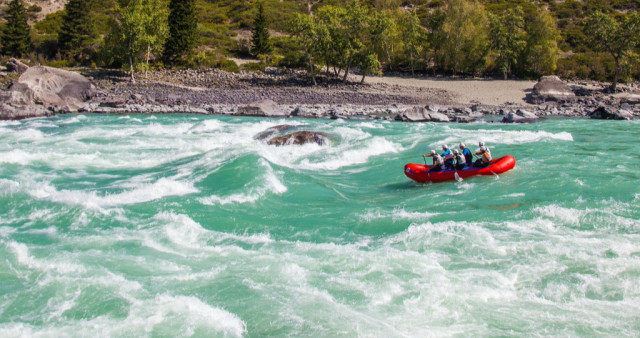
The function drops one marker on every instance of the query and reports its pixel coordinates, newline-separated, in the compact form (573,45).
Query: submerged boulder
(551,88)
(300,138)
(273,131)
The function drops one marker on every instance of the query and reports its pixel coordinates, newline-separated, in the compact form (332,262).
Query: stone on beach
(42,91)
(551,88)
(264,108)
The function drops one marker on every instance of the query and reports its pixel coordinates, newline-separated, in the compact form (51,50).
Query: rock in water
(299,138)
(551,88)
(421,114)
(52,87)
(264,108)
(521,116)
(609,113)
(273,131)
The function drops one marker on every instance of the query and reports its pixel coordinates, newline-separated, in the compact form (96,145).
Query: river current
(182,225)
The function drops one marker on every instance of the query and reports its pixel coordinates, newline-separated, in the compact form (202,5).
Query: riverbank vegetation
(504,38)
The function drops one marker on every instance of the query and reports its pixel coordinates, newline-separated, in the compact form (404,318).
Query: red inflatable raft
(420,172)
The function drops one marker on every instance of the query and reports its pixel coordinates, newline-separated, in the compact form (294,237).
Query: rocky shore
(275,93)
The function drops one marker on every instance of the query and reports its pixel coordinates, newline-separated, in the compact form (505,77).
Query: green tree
(305,28)
(260,34)
(414,38)
(140,28)
(508,39)
(77,31)
(462,36)
(617,37)
(541,52)
(16,35)
(183,34)
(375,41)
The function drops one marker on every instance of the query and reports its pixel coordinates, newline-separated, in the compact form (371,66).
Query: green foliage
(508,40)
(77,31)
(414,38)
(461,41)
(51,24)
(540,55)
(616,36)
(139,30)
(183,37)
(260,34)
(16,34)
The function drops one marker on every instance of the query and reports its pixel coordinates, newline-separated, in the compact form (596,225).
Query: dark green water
(188,226)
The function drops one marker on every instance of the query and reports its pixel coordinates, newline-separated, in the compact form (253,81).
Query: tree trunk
(146,71)
(363,75)
(346,71)
(615,74)
(133,79)
(311,70)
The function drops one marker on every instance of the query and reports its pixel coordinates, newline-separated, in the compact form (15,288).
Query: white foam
(270,184)
(8,187)
(74,119)
(499,136)
(23,256)
(176,315)
(17,156)
(142,193)
(397,214)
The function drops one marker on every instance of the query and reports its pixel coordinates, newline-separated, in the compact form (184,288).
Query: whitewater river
(183,225)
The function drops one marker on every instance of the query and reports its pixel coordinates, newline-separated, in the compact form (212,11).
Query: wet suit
(448,159)
(468,156)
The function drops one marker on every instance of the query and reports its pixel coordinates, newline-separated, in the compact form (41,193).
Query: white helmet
(445,147)
(461,145)
(455,151)
(433,152)
(480,144)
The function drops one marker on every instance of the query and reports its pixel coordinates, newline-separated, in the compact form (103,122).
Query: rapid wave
(144,192)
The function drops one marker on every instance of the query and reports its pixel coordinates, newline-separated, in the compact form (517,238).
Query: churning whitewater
(182,225)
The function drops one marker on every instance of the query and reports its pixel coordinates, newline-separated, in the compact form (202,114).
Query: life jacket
(447,154)
(437,160)
(459,159)
(468,156)
(486,156)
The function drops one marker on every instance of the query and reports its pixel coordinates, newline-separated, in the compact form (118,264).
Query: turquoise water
(186,225)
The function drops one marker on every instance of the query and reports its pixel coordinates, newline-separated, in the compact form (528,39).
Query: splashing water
(178,225)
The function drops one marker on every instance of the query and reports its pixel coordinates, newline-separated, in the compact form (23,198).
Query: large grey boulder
(264,108)
(551,88)
(610,113)
(54,88)
(421,114)
(300,138)
(14,65)
(520,116)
